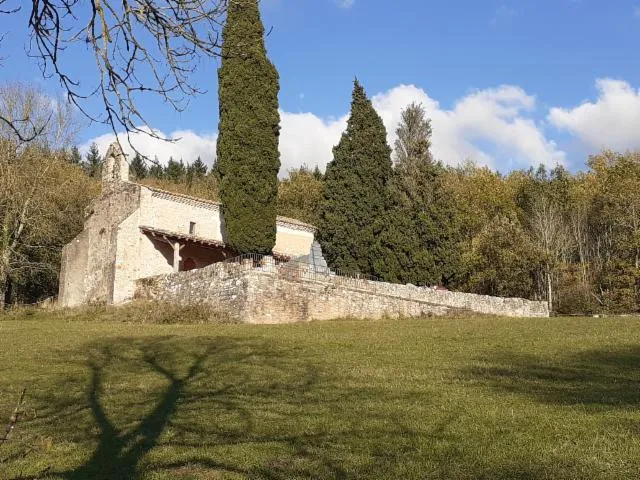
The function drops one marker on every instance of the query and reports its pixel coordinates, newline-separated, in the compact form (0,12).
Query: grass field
(485,398)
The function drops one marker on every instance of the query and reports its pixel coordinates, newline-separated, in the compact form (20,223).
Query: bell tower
(115,169)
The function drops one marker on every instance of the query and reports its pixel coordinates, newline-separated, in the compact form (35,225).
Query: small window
(192,228)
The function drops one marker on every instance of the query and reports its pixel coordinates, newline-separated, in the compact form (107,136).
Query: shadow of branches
(180,407)
(164,405)
(597,379)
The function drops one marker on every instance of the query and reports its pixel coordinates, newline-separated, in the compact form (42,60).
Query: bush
(147,312)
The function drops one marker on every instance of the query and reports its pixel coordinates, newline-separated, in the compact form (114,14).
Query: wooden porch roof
(169,236)
(181,237)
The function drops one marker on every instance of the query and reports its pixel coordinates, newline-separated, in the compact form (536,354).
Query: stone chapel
(134,231)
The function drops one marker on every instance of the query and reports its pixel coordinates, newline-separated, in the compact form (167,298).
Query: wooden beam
(176,257)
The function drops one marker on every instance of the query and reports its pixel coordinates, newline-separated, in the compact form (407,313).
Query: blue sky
(507,83)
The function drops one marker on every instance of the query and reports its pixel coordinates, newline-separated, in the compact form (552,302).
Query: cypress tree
(424,228)
(248,160)
(356,194)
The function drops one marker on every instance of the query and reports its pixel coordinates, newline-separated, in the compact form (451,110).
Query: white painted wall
(174,213)
(292,241)
(151,260)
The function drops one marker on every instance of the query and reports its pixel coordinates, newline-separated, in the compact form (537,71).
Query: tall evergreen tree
(196,170)
(138,168)
(317,174)
(413,142)
(93,161)
(156,170)
(356,193)
(248,160)
(424,227)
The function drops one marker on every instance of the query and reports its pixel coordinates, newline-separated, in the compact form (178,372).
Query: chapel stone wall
(257,295)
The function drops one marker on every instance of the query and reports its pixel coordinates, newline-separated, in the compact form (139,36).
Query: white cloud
(306,139)
(188,145)
(489,126)
(345,3)
(492,127)
(503,13)
(609,122)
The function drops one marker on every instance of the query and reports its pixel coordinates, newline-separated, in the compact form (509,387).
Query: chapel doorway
(189,264)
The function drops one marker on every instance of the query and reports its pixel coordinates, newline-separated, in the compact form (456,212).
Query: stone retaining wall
(278,295)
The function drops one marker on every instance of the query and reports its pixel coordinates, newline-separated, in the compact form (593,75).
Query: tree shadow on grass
(187,396)
(223,407)
(119,453)
(595,379)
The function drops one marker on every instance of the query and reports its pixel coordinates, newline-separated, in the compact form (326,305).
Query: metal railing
(302,270)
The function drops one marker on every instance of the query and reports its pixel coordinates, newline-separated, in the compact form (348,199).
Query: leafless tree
(136,47)
(552,236)
(42,195)
(31,115)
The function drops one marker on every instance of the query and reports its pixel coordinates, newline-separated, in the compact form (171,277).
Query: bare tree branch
(14,419)
(138,47)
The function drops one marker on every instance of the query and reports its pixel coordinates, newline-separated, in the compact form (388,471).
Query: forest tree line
(569,238)
(538,233)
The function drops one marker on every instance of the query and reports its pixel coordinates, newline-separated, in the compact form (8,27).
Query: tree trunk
(8,292)
(549,290)
(4,280)
(4,284)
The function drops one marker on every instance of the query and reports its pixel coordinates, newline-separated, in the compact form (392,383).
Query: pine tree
(93,161)
(198,168)
(317,174)
(138,168)
(74,156)
(248,160)
(175,171)
(156,170)
(356,194)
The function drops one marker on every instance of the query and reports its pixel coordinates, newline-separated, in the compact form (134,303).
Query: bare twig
(134,48)
(139,47)
(14,419)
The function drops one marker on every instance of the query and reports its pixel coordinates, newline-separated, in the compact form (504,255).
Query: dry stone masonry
(269,294)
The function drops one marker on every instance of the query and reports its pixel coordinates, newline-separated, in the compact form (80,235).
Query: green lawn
(460,398)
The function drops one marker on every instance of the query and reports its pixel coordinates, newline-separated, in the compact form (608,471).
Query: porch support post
(176,257)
